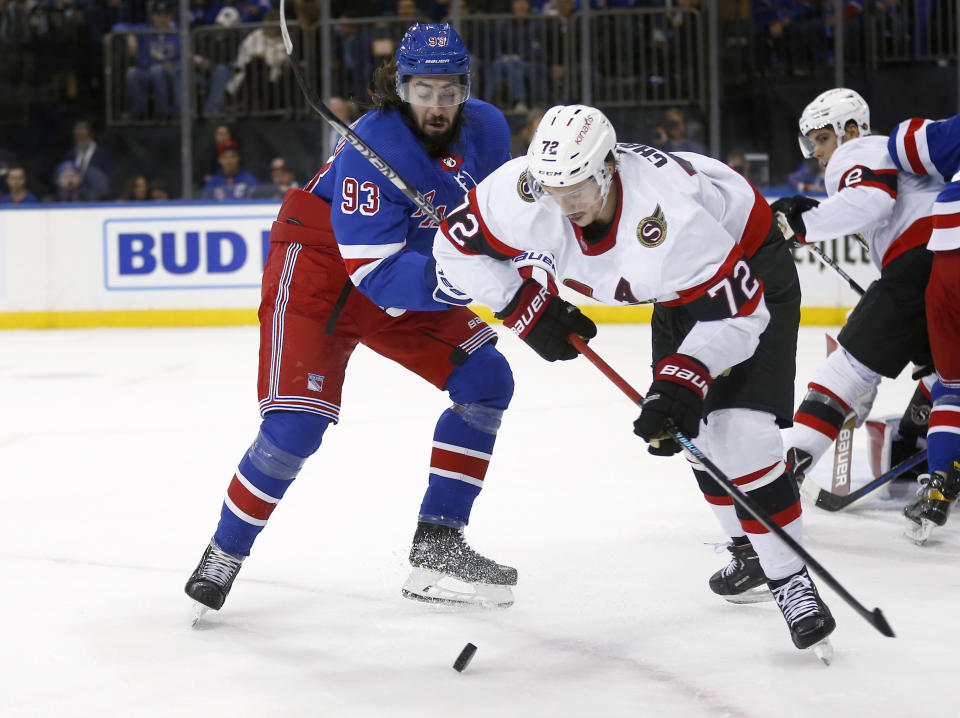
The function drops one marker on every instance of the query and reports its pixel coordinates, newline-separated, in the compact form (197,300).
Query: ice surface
(116,447)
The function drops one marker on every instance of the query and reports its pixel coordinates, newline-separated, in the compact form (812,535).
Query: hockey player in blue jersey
(925,147)
(350,262)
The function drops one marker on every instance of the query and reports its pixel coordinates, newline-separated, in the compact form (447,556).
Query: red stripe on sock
(718,500)
(248,503)
(472,466)
(824,427)
(781,519)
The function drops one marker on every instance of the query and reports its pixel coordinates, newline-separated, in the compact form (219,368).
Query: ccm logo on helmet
(587,123)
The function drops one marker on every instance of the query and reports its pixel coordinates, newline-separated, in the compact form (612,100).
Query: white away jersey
(867,195)
(684,226)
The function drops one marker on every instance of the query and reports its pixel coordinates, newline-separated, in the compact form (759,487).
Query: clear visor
(568,200)
(806,146)
(436,91)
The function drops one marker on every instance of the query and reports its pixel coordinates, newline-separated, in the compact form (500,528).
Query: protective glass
(806,146)
(567,201)
(438,91)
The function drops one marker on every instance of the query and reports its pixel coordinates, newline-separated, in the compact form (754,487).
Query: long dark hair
(384,98)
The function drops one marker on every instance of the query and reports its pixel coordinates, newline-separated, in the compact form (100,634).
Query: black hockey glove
(676,396)
(788,212)
(544,321)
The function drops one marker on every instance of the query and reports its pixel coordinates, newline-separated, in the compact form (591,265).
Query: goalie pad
(886,448)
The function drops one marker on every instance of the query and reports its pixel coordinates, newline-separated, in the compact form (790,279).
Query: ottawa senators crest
(652,230)
(523,188)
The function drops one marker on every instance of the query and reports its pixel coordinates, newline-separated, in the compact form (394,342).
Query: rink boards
(193,263)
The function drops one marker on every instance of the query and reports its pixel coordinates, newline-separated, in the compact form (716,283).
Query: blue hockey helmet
(433,49)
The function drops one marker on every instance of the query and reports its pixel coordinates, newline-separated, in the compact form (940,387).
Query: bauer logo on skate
(194,253)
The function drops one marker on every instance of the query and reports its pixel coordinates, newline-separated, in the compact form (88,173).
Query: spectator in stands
(518,55)
(221,133)
(231,182)
(563,52)
(261,57)
(215,55)
(281,179)
(158,191)
(17,186)
(70,185)
(135,189)
(520,141)
(672,133)
(343,110)
(353,56)
(94,163)
(808,178)
(157,65)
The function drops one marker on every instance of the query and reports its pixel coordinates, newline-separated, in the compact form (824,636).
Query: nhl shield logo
(652,230)
(523,188)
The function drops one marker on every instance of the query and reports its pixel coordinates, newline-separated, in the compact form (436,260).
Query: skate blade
(757,594)
(437,587)
(199,611)
(823,651)
(919,533)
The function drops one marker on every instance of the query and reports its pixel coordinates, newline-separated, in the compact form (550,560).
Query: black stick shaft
(875,617)
(829,501)
(822,256)
(411,192)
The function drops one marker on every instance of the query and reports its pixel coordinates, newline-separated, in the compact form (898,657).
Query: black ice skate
(798,461)
(211,580)
(742,580)
(447,570)
(808,617)
(938,493)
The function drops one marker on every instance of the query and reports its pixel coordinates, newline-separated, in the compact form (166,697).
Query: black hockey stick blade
(880,623)
(828,501)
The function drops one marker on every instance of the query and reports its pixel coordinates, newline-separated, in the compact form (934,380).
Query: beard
(435,143)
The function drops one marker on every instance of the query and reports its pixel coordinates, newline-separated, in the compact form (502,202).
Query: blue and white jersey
(386,240)
(927,147)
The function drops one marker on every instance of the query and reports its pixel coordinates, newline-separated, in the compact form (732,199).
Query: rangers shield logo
(523,188)
(652,230)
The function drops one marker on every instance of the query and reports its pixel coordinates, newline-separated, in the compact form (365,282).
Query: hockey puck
(466,655)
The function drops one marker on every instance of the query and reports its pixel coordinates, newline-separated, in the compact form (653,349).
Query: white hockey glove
(446,292)
(538,266)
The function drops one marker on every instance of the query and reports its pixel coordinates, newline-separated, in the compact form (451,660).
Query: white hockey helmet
(571,145)
(833,108)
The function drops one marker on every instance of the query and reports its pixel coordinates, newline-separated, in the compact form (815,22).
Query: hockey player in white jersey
(628,224)
(892,211)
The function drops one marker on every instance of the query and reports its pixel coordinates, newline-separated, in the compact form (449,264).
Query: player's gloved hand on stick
(676,395)
(544,321)
(446,292)
(788,211)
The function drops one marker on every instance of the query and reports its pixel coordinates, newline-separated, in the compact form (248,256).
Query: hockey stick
(411,192)
(875,617)
(828,501)
(791,236)
(822,256)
